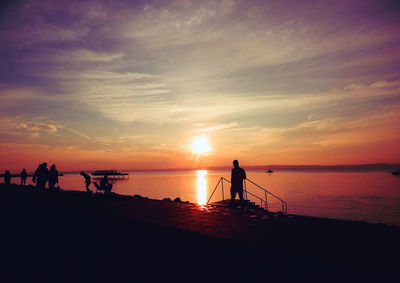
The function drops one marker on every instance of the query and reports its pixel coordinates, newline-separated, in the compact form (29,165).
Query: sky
(133,84)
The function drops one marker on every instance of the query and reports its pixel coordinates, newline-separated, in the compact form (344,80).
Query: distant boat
(269,171)
(109,173)
(397,172)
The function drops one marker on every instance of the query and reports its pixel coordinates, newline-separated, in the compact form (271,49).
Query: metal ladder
(263,202)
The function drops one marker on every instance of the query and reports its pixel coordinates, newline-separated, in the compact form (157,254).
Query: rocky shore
(76,236)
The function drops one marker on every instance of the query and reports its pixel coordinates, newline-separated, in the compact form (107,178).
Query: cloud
(85,75)
(385,84)
(155,69)
(218,127)
(79,56)
(38,127)
(77,133)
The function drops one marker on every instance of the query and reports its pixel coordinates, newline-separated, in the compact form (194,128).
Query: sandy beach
(109,237)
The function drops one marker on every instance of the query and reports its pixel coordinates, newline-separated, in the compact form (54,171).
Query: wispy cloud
(77,133)
(77,56)
(217,127)
(37,127)
(289,74)
(386,84)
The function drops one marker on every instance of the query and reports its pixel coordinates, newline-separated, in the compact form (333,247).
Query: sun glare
(201,187)
(200,145)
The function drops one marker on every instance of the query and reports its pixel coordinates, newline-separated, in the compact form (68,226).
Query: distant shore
(125,233)
(388,167)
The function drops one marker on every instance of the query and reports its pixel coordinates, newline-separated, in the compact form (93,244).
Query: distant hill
(356,167)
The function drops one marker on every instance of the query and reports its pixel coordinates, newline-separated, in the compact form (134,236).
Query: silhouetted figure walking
(7,177)
(53,177)
(237,176)
(88,181)
(41,176)
(23,176)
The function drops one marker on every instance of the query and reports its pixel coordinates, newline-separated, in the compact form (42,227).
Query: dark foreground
(75,236)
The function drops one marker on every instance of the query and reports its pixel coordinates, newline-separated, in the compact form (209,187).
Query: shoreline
(78,221)
(385,167)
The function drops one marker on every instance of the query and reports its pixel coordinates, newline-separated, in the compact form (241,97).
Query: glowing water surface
(364,196)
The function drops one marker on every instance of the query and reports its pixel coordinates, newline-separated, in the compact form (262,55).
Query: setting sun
(200,145)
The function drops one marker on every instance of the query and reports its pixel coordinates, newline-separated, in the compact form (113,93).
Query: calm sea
(366,196)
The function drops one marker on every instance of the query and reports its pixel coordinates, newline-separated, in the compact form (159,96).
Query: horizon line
(361,166)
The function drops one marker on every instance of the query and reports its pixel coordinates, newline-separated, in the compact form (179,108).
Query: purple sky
(300,82)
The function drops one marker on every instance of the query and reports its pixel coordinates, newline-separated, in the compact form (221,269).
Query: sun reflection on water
(201,187)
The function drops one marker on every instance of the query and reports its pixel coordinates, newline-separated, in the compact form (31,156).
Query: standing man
(237,176)
(23,176)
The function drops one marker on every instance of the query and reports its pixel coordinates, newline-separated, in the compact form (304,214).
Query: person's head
(44,164)
(83,173)
(235,163)
(23,169)
(53,167)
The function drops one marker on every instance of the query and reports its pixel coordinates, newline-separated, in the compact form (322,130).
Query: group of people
(41,176)
(104,185)
(8,176)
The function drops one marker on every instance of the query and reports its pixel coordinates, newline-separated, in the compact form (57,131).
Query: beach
(77,234)
(370,196)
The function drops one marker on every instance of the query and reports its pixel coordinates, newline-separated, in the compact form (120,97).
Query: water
(365,196)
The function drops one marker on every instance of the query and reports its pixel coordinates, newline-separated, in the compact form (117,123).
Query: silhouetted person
(237,176)
(7,177)
(41,176)
(53,177)
(23,176)
(88,181)
(104,185)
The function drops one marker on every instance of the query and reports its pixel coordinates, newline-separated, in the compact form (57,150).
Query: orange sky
(132,86)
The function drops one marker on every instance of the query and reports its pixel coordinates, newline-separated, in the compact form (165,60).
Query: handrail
(214,190)
(266,192)
(283,203)
(261,200)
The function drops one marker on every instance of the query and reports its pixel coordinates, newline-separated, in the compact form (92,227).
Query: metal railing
(263,202)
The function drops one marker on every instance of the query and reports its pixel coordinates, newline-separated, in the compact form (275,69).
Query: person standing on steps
(237,176)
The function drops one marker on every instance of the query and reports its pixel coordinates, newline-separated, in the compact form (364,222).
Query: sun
(200,145)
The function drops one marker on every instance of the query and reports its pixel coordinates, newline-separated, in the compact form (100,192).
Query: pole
(222,189)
